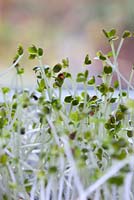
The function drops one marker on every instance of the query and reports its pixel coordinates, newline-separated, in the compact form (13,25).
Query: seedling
(62,143)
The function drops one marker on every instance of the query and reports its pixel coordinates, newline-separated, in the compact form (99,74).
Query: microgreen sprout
(60,142)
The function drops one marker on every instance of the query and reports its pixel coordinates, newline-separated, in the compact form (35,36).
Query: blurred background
(63,28)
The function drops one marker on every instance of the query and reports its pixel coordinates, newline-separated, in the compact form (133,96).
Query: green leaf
(123,108)
(20,71)
(86,74)
(121,155)
(91,81)
(81,106)
(124,94)
(130,133)
(41,174)
(59,80)
(3,159)
(77,152)
(110,54)
(15,59)
(81,77)
(111,89)
(87,60)
(120,143)
(113,100)
(57,84)
(56,104)
(101,56)
(41,85)
(126,34)
(112,33)
(27,187)
(13,185)
(99,154)
(105,33)
(46,110)
(52,170)
(32,56)
(67,75)
(5,90)
(20,50)
(107,69)
(116,84)
(119,115)
(40,52)
(57,68)
(103,88)
(32,50)
(109,126)
(75,102)
(116,180)
(68,99)
(65,62)
(5,197)
(74,116)
(87,135)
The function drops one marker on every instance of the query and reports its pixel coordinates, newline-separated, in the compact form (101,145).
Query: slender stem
(119,47)
(130,80)
(61,181)
(73,166)
(45,79)
(85,97)
(48,189)
(42,190)
(56,137)
(11,174)
(111,172)
(114,67)
(32,193)
(11,67)
(127,186)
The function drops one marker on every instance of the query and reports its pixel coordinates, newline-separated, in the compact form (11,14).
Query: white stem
(61,184)
(61,187)
(67,197)
(11,67)
(32,193)
(73,166)
(33,131)
(124,79)
(30,145)
(97,195)
(42,190)
(130,80)
(45,79)
(112,171)
(48,189)
(114,192)
(65,119)
(119,47)
(53,130)
(127,186)
(121,76)
(12,174)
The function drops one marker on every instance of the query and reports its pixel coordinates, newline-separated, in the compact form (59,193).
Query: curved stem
(111,172)
(45,79)
(11,67)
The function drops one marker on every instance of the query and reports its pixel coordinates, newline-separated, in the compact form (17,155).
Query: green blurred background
(63,28)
